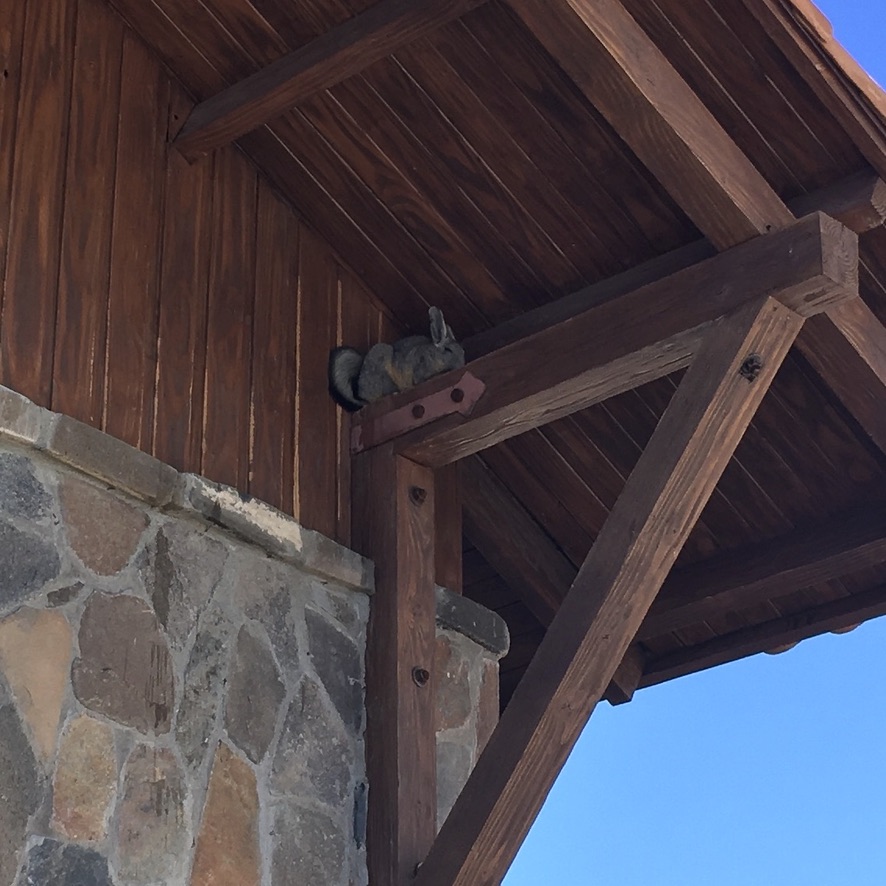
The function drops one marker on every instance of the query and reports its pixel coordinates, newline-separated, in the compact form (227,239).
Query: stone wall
(181,676)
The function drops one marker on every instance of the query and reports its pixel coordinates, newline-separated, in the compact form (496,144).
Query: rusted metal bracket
(459,397)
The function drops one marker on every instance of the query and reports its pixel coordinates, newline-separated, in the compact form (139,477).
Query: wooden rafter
(393,522)
(321,64)
(837,615)
(625,342)
(627,78)
(638,544)
(858,202)
(843,544)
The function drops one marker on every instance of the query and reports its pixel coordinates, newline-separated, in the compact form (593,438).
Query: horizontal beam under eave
(837,615)
(629,341)
(619,69)
(329,59)
(845,543)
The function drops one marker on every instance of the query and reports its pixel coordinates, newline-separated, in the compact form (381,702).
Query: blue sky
(767,771)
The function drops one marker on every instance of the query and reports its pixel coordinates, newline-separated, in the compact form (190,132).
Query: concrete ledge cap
(476,622)
(277,533)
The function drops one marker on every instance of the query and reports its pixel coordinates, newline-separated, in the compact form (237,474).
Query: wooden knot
(751,367)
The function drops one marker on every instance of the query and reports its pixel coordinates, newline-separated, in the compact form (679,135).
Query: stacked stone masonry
(181,676)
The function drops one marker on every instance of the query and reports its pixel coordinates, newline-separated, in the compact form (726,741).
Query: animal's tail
(344,368)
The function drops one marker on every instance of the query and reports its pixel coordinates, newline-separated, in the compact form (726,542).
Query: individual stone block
(204,679)
(181,568)
(265,592)
(124,670)
(85,780)
(339,665)
(453,685)
(20,789)
(454,764)
(151,834)
(227,851)
(64,595)
(487,705)
(314,756)
(309,848)
(35,658)
(102,529)
(21,493)
(255,693)
(52,862)
(27,562)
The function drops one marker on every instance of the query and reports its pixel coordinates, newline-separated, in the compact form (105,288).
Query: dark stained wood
(858,202)
(847,347)
(184,289)
(79,360)
(232,281)
(394,525)
(615,586)
(622,73)
(844,543)
(448,525)
(27,323)
(837,615)
(510,539)
(274,332)
(628,341)
(316,422)
(341,53)
(135,245)
(627,676)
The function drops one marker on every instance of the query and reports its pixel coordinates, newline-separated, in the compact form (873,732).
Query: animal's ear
(439,329)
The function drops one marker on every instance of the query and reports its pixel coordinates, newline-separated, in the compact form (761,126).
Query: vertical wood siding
(183,308)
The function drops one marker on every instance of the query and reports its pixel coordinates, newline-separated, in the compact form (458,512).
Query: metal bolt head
(751,367)
(457,395)
(418,411)
(421,676)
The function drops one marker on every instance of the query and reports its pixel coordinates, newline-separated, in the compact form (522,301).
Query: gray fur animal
(355,380)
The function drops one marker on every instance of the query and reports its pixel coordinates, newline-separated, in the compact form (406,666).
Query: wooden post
(615,586)
(393,523)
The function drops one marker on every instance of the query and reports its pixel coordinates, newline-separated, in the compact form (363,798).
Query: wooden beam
(847,347)
(618,68)
(619,345)
(845,543)
(636,548)
(513,543)
(858,202)
(836,616)
(393,523)
(626,679)
(329,59)
(448,527)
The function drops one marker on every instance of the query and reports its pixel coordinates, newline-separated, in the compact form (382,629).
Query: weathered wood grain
(226,427)
(628,341)
(330,58)
(836,616)
(615,586)
(448,486)
(81,314)
(27,324)
(135,245)
(394,525)
(844,543)
(622,73)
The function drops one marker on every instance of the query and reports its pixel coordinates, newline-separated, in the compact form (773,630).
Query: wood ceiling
(469,169)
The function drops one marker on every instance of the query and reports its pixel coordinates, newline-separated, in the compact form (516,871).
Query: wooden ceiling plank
(858,202)
(329,59)
(847,348)
(628,79)
(624,343)
(844,543)
(837,615)
(615,586)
